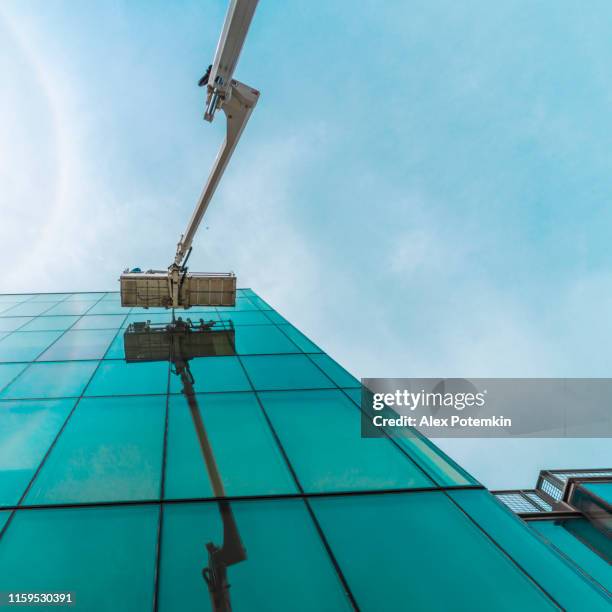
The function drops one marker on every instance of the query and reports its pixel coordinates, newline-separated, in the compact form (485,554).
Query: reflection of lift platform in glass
(176,287)
(178,342)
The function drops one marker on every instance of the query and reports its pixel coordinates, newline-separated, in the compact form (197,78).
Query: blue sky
(424,188)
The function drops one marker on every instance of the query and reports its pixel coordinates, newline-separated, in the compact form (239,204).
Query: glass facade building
(120,487)
(572,511)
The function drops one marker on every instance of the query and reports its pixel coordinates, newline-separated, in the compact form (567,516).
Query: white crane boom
(236,26)
(176,288)
(237,105)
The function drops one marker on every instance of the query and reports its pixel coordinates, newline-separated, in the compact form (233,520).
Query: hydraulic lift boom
(176,287)
(237,106)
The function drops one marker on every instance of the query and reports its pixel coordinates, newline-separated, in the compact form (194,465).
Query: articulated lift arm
(236,99)
(220,73)
(238,105)
(177,288)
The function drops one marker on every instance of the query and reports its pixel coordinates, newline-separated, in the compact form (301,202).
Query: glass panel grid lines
(582,474)
(517,502)
(538,501)
(561,535)
(551,489)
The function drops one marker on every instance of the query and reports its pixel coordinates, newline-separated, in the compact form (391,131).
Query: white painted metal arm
(177,288)
(235,28)
(238,106)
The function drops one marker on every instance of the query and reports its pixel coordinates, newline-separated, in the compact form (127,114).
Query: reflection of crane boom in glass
(178,342)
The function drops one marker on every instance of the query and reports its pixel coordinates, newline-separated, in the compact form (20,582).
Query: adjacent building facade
(237,477)
(572,511)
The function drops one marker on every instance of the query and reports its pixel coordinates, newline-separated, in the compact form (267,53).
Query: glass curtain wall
(136,486)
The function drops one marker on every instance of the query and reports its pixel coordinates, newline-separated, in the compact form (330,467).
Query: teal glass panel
(269,373)
(214,374)
(161,317)
(263,340)
(244,292)
(4,306)
(417,551)
(26,346)
(300,339)
(110,450)
(70,307)
(439,466)
(4,517)
(59,323)
(108,307)
(286,568)
(113,296)
(3,335)
(9,324)
(335,371)
(585,558)
(100,322)
(105,556)
(195,314)
(556,575)
(275,317)
(14,298)
(50,380)
(85,297)
(147,311)
(354,394)
(343,461)
(603,490)
(247,317)
(116,350)
(29,309)
(593,537)
(588,502)
(260,303)
(49,297)
(121,378)
(10,371)
(77,345)
(27,429)
(245,451)
(242,303)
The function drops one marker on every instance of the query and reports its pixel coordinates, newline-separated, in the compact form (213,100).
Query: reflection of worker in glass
(178,342)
